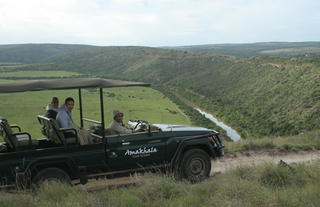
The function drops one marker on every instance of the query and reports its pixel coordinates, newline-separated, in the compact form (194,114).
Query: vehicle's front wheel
(195,165)
(51,175)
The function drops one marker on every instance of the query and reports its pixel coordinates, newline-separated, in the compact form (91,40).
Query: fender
(195,141)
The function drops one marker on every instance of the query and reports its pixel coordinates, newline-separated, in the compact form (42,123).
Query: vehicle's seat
(16,140)
(51,129)
(45,125)
(55,132)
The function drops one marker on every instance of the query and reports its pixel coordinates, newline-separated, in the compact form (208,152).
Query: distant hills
(260,96)
(34,53)
(279,49)
(31,53)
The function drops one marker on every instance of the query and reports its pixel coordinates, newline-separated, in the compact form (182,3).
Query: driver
(117,123)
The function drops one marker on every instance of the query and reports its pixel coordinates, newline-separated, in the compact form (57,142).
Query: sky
(158,22)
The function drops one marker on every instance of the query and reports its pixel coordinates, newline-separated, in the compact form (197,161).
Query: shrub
(276,176)
(251,145)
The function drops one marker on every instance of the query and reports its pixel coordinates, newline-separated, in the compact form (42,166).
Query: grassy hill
(260,96)
(282,49)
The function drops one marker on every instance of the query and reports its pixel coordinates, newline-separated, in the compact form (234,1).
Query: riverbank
(233,134)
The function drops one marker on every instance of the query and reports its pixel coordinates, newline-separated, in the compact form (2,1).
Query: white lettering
(141,151)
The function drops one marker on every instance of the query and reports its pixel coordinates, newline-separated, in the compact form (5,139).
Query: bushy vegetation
(196,118)
(301,142)
(266,185)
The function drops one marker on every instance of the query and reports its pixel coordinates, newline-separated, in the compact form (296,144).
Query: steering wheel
(139,123)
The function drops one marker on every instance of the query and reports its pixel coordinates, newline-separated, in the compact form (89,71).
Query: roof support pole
(80,104)
(102,112)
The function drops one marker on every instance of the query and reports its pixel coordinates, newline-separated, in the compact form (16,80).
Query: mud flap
(83,175)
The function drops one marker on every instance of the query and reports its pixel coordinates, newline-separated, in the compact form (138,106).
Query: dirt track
(252,158)
(228,162)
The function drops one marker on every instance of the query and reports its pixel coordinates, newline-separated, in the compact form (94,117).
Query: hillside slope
(259,95)
(31,53)
(279,49)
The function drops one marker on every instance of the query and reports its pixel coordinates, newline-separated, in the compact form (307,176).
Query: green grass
(136,103)
(265,185)
(8,64)
(5,80)
(304,141)
(49,73)
(10,67)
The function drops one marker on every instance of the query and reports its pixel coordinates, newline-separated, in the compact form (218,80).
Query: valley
(258,96)
(272,102)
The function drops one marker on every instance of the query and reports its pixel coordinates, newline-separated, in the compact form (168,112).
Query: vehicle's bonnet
(177,128)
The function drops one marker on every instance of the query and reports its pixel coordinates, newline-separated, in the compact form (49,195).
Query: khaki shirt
(118,127)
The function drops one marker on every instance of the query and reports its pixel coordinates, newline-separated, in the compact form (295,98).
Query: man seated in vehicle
(64,116)
(64,119)
(117,123)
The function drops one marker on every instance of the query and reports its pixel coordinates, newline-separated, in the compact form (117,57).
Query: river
(233,134)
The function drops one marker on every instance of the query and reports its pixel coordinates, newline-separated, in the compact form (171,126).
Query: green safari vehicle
(25,161)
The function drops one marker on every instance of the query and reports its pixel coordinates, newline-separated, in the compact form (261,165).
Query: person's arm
(120,129)
(125,130)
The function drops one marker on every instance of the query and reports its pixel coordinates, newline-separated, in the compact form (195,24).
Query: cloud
(157,22)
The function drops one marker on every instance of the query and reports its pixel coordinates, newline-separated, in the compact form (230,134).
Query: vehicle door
(136,150)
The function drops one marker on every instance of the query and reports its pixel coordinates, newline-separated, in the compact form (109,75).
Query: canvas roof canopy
(64,83)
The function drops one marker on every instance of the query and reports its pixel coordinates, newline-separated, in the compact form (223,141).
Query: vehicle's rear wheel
(195,165)
(50,175)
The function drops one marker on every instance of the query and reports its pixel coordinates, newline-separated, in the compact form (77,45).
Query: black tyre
(195,165)
(51,175)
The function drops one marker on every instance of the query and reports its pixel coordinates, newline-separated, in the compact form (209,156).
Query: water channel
(233,134)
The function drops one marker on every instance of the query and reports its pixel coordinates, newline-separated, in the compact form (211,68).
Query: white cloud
(157,22)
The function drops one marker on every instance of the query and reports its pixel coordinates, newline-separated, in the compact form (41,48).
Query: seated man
(64,120)
(64,116)
(117,123)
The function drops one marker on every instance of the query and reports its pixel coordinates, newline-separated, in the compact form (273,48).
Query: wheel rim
(197,166)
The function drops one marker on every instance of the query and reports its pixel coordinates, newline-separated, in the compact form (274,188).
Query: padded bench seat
(51,130)
(17,140)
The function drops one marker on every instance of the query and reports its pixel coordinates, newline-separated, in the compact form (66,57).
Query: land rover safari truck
(25,161)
